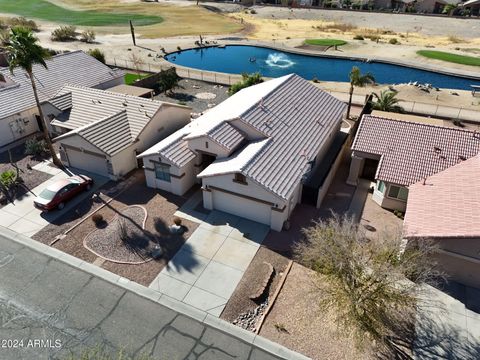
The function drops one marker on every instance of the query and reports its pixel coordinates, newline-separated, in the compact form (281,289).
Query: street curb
(173,304)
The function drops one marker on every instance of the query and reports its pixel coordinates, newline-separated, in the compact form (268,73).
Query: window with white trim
(162,172)
(381,187)
(398,192)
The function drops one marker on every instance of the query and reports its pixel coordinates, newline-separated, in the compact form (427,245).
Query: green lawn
(130,78)
(45,10)
(454,58)
(325,42)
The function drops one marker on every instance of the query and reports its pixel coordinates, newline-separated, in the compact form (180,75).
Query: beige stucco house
(102,132)
(252,152)
(397,153)
(440,209)
(18,112)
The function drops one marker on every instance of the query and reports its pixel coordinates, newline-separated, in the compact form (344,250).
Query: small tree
(370,284)
(387,101)
(247,80)
(88,36)
(168,80)
(137,62)
(357,79)
(97,54)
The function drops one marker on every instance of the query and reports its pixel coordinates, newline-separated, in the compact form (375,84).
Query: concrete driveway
(447,328)
(22,217)
(206,270)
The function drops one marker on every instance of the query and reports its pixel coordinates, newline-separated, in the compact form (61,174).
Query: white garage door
(240,206)
(86,161)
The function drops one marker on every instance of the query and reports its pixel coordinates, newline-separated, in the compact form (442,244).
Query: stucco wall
(181,179)
(386,202)
(18,126)
(459,269)
(200,143)
(249,131)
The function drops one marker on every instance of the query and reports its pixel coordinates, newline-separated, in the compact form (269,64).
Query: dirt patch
(240,302)
(318,48)
(295,321)
(160,207)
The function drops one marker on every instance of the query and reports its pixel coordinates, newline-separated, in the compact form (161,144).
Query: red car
(55,195)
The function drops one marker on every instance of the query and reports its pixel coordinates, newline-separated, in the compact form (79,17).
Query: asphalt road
(49,310)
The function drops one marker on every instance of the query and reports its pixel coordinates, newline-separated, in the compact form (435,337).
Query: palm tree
(357,79)
(24,51)
(387,101)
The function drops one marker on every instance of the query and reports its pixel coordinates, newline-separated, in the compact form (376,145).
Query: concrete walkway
(53,304)
(447,328)
(22,217)
(206,270)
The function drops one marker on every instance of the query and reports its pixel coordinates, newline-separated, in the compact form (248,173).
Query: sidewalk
(50,296)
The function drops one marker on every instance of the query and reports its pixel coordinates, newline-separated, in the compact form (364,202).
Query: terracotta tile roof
(412,151)
(448,205)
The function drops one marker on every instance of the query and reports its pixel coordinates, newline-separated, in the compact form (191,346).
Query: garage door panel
(242,207)
(86,161)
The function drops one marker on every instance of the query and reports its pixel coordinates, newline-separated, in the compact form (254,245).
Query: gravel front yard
(296,322)
(132,245)
(160,207)
(240,302)
(199,95)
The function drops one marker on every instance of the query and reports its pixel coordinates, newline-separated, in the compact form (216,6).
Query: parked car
(57,194)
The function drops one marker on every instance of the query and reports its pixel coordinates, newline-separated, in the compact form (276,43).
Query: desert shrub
(393,41)
(97,54)
(35,147)
(177,221)
(88,36)
(455,39)
(23,22)
(358,37)
(97,219)
(64,33)
(247,80)
(315,80)
(179,48)
(8,178)
(253,11)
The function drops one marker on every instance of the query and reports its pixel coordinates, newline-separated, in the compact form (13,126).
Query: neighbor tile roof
(413,151)
(74,67)
(292,113)
(447,204)
(108,120)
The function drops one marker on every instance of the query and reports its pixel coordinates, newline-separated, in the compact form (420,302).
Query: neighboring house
(445,208)
(18,112)
(103,132)
(396,154)
(253,151)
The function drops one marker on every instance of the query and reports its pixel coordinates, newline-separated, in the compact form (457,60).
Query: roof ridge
(118,95)
(287,78)
(93,123)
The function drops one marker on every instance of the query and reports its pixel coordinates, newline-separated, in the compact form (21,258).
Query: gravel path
(110,244)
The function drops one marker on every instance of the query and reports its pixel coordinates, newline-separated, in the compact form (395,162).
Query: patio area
(207,269)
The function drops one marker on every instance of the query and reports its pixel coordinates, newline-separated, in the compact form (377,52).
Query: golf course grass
(325,42)
(45,10)
(453,58)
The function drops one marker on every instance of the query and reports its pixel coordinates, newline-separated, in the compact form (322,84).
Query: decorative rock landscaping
(124,239)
